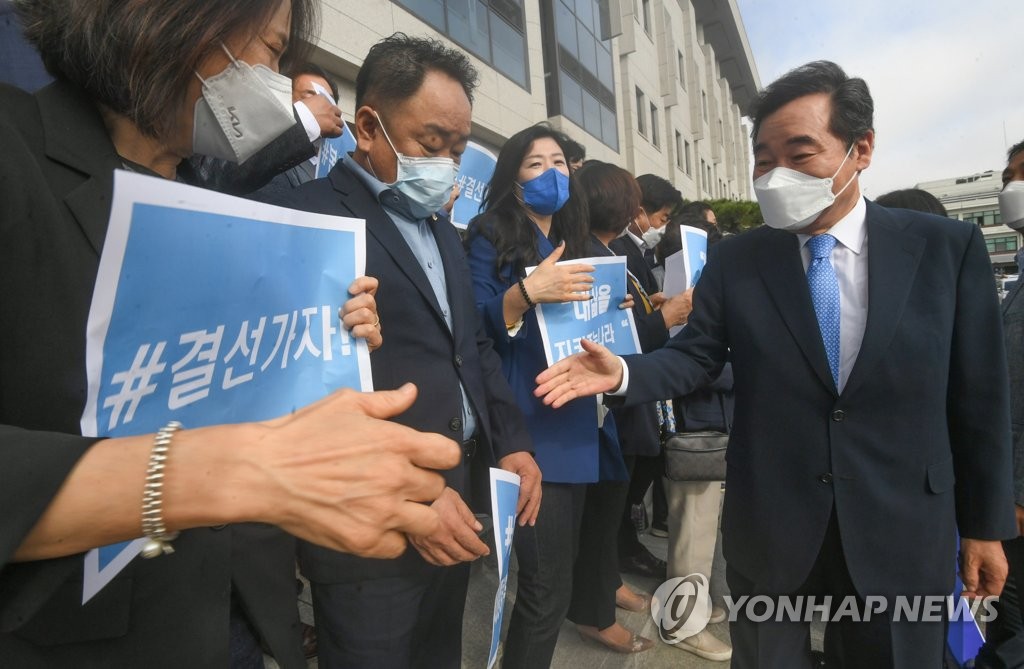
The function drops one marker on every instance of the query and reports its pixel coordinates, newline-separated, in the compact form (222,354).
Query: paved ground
(572,651)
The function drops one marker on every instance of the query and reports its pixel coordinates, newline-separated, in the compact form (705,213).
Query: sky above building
(947,76)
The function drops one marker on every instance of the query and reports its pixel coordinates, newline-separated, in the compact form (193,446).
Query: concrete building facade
(975,198)
(656,86)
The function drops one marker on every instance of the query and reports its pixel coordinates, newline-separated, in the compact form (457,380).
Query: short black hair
(1014,150)
(696,207)
(613,195)
(658,193)
(852,107)
(306,67)
(395,67)
(912,198)
(574,151)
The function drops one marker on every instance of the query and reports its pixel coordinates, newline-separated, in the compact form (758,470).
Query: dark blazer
(639,426)
(566,441)
(1013,326)
(636,263)
(56,179)
(418,347)
(917,444)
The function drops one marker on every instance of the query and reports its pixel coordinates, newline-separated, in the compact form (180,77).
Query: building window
(654,126)
(578,65)
(492,30)
(679,150)
(703,175)
(681,65)
(641,108)
(686,152)
(983,218)
(704,104)
(1001,244)
(645,5)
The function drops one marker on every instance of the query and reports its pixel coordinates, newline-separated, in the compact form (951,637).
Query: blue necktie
(821,277)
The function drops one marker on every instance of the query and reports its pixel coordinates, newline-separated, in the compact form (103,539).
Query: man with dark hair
(703,209)
(1004,643)
(575,154)
(412,122)
(304,75)
(871,419)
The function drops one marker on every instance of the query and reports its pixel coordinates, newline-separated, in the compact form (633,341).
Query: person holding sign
(412,120)
(533,216)
(126,96)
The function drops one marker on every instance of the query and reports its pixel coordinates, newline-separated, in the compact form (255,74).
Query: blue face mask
(547,193)
(426,183)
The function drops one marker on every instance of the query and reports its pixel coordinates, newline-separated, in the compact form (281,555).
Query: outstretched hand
(595,370)
(338,474)
(559,283)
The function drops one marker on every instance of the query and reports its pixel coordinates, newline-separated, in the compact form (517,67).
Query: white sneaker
(706,645)
(718,615)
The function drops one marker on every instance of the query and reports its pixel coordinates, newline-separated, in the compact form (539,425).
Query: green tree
(736,215)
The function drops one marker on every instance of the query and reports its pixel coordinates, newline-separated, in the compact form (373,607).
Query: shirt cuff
(308,121)
(516,327)
(624,386)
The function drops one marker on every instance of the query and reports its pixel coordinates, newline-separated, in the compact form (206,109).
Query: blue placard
(475,172)
(598,319)
(695,244)
(333,149)
(504,499)
(210,309)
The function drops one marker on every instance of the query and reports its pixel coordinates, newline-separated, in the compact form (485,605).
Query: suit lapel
(450,247)
(87,149)
(361,203)
(783,274)
(893,259)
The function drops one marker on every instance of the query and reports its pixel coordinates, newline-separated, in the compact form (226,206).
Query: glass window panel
(587,55)
(565,27)
(508,48)
(572,98)
(510,10)
(609,128)
(467,25)
(585,13)
(431,11)
(604,67)
(591,114)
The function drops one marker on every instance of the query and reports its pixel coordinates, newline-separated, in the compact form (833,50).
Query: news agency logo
(600,296)
(681,607)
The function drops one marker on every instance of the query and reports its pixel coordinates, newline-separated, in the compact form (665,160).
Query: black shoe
(644,564)
(659,528)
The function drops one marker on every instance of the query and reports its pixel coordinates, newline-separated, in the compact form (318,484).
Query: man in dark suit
(1004,636)
(413,99)
(871,417)
(639,430)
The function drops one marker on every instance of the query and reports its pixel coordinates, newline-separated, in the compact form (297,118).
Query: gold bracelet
(159,539)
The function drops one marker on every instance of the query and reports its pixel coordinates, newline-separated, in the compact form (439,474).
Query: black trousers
(546,553)
(644,471)
(1004,636)
(392,623)
(876,644)
(596,573)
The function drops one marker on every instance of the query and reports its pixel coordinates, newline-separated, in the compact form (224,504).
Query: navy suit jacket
(916,445)
(418,347)
(1013,325)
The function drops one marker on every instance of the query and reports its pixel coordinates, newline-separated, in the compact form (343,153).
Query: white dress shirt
(850,260)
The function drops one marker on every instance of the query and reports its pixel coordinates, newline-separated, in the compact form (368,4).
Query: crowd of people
(852,350)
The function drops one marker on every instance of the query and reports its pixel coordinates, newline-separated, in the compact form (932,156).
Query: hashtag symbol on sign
(510,530)
(135,384)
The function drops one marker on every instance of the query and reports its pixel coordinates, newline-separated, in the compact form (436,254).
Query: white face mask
(242,109)
(1011,205)
(792,200)
(426,183)
(652,236)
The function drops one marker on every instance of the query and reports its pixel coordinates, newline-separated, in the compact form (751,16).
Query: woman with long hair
(532,218)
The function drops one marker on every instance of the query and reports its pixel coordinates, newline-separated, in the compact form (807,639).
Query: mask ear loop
(233,62)
(855,174)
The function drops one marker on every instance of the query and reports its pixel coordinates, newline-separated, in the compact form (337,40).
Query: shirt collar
(636,240)
(850,230)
